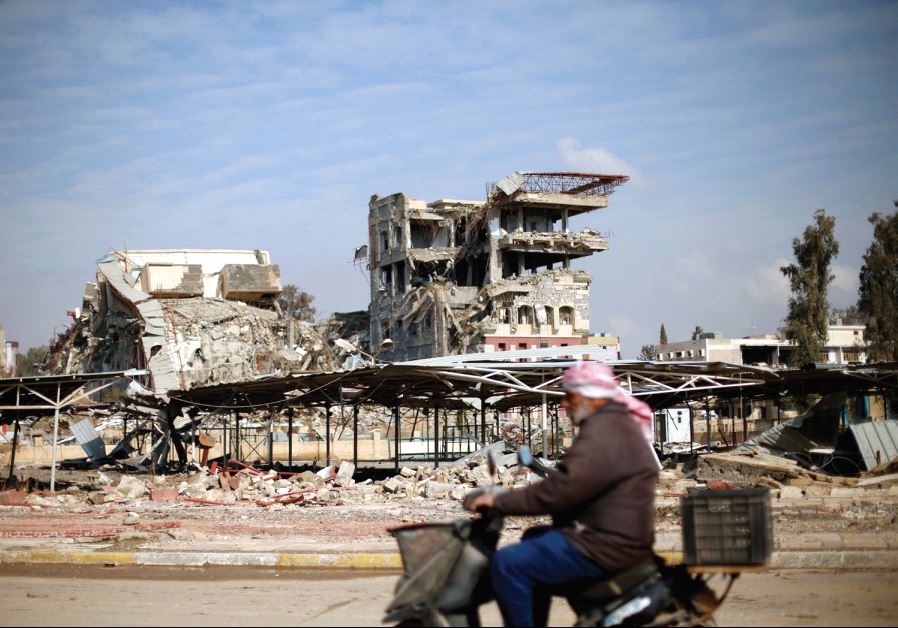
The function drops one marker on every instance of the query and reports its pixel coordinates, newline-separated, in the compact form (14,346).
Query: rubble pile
(333,485)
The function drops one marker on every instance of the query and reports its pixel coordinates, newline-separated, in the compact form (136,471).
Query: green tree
(809,278)
(879,288)
(296,304)
(32,361)
(850,315)
(662,337)
(648,353)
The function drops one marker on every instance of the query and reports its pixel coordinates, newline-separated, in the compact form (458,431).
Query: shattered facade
(456,276)
(191,317)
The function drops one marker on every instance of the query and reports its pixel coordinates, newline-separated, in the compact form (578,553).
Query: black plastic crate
(729,527)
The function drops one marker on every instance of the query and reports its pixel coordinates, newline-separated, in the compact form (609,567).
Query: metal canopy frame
(53,392)
(474,382)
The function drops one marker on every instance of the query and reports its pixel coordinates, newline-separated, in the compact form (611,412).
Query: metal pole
(708,422)
(742,410)
(529,439)
(436,438)
(55,436)
(483,419)
(691,431)
(445,432)
(555,430)
(15,445)
(545,420)
(327,436)
(290,438)
(271,414)
(237,449)
(355,435)
(396,432)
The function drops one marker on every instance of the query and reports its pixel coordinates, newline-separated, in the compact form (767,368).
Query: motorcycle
(446,578)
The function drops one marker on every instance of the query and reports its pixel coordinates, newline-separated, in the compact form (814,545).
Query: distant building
(845,344)
(9,349)
(456,276)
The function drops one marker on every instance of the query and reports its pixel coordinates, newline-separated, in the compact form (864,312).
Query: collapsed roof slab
(572,244)
(559,200)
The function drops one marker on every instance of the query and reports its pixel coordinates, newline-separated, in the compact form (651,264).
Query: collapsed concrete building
(190,317)
(456,276)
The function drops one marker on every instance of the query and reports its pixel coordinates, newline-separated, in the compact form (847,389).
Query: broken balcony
(538,249)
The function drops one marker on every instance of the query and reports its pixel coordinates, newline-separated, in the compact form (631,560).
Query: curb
(349,561)
(391,561)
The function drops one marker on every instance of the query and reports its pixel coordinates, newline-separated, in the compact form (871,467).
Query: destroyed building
(455,276)
(191,318)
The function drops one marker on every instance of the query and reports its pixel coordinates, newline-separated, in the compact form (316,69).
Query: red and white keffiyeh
(596,381)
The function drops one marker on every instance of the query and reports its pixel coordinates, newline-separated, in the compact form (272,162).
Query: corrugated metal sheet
(880,437)
(89,439)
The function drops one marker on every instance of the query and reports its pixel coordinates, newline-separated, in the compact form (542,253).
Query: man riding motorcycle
(601,499)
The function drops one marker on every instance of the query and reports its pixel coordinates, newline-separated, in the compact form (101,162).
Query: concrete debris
(131,488)
(344,474)
(194,318)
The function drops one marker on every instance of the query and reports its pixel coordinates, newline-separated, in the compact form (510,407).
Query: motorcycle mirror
(525,457)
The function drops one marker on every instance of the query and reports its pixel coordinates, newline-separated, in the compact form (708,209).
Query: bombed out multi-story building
(191,318)
(455,276)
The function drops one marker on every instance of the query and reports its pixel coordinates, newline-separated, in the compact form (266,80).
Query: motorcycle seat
(602,589)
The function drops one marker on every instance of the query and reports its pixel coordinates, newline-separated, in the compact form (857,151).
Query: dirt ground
(85,596)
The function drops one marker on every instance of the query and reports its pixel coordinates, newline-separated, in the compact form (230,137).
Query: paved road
(87,596)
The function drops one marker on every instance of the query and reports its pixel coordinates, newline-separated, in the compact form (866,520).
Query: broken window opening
(505,315)
(426,234)
(525,315)
(397,236)
(400,278)
(384,243)
(566,315)
(386,278)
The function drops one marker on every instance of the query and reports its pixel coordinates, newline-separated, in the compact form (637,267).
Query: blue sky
(270,124)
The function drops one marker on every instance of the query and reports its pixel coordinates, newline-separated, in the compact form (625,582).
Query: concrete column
(564,218)
(55,436)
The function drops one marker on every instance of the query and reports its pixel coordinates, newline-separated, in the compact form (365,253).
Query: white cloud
(847,281)
(768,284)
(622,326)
(587,159)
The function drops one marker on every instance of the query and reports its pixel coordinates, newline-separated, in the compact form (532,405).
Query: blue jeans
(542,557)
